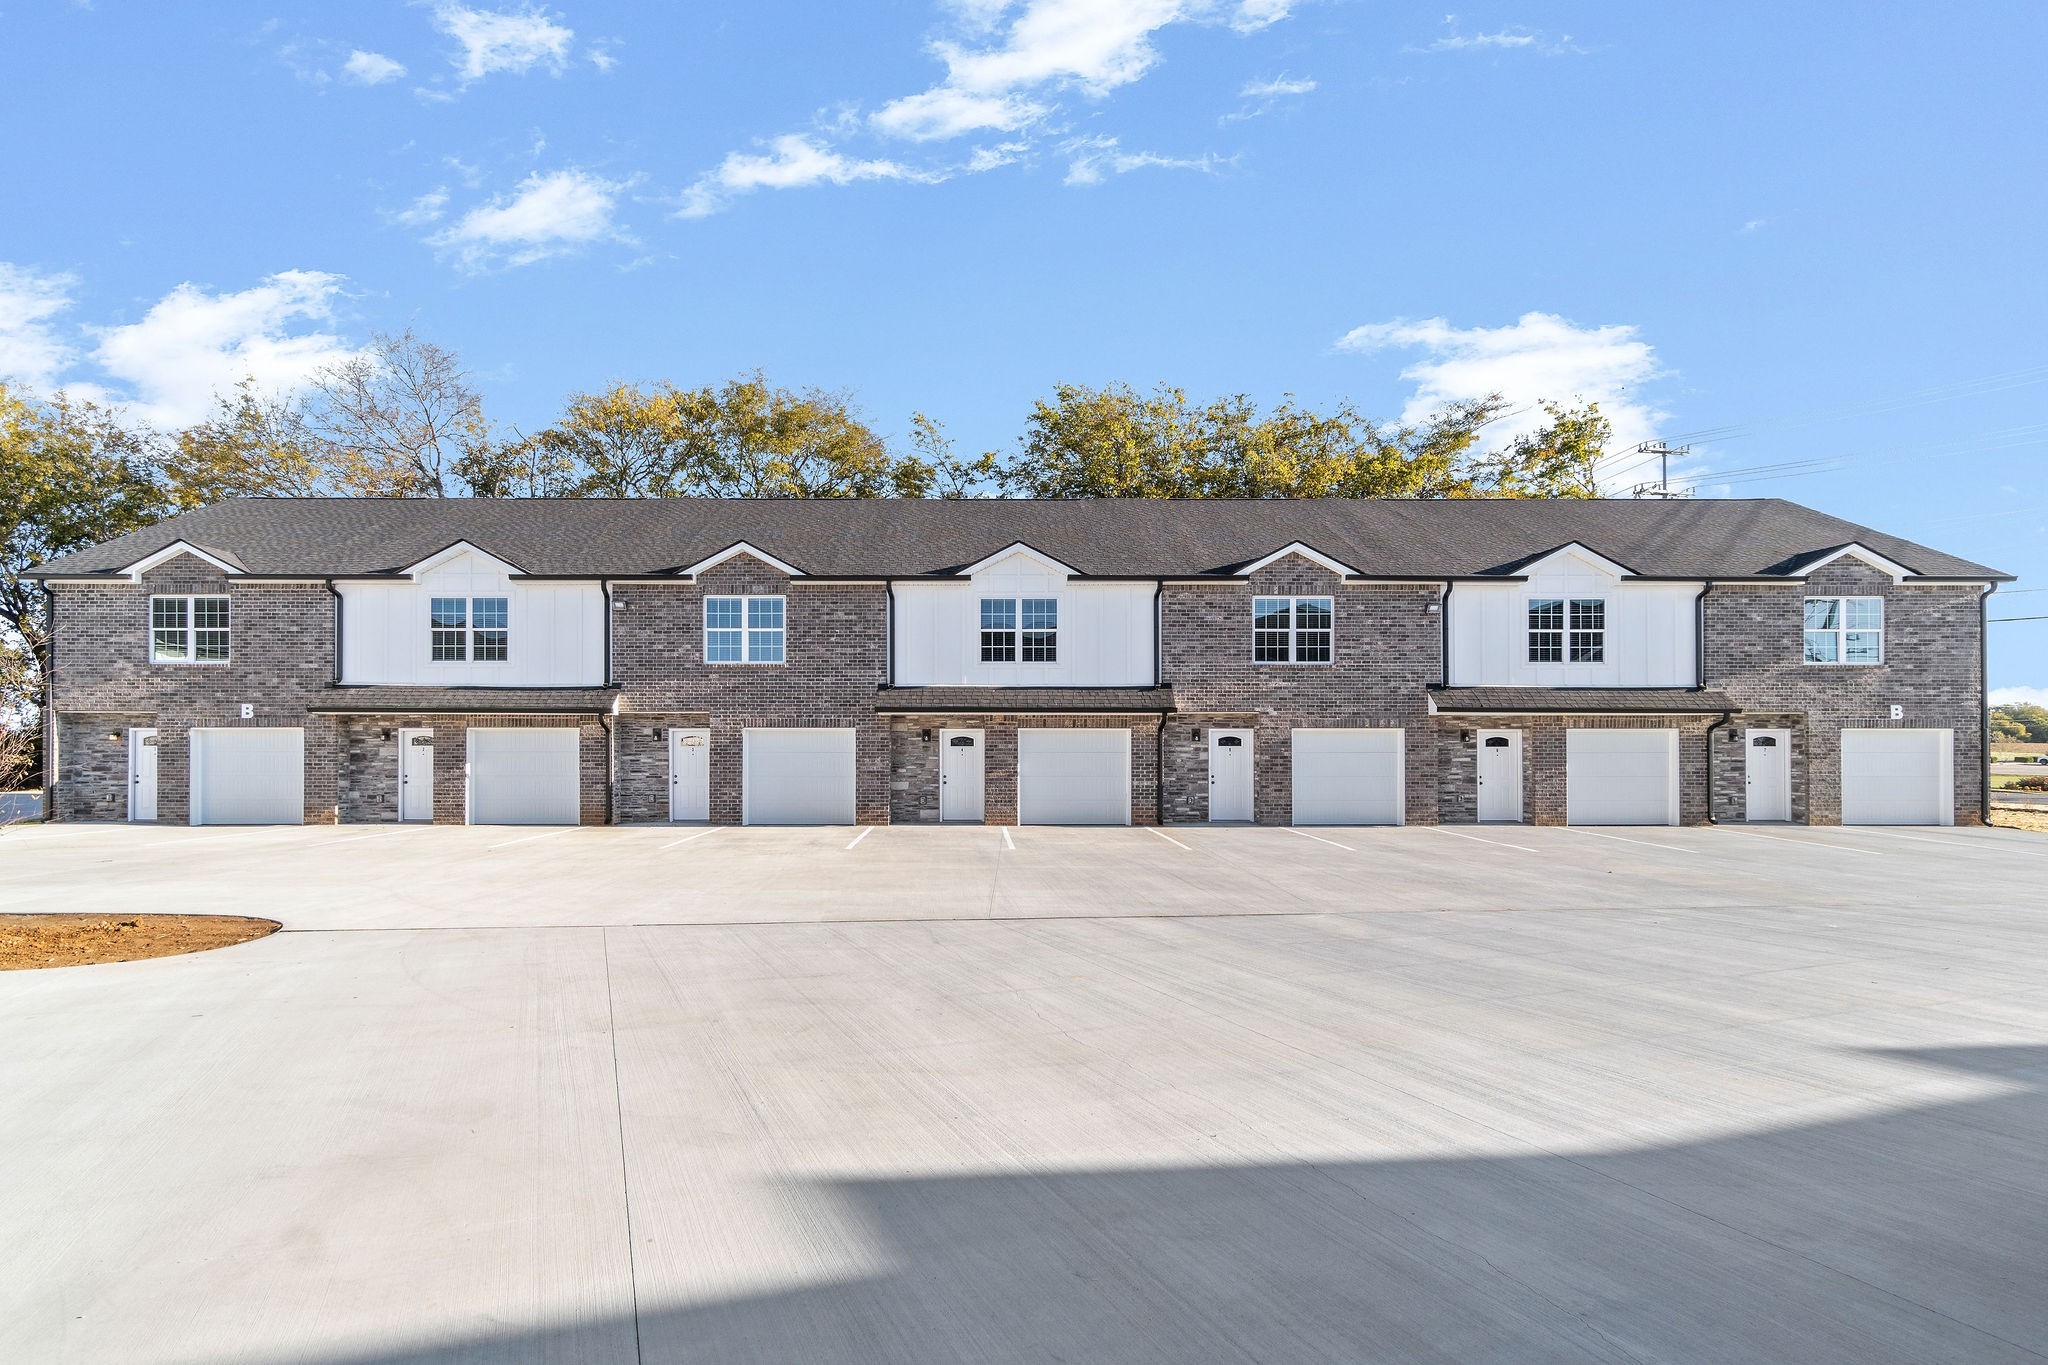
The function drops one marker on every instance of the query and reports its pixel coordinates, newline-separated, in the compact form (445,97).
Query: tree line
(404,418)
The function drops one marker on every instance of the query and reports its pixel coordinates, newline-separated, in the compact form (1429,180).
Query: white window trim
(746,631)
(469,629)
(191,659)
(1293,659)
(1843,631)
(1564,634)
(1017,631)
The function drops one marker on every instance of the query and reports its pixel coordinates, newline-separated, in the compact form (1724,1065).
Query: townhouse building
(1329,662)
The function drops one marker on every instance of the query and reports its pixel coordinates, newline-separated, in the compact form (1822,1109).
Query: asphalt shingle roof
(855,538)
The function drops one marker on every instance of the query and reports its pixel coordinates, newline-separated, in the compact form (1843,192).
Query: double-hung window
(1014,628)
(188,630)
(1845,630)
(1562,631)
(1292,630)
(746,630)
(470,629)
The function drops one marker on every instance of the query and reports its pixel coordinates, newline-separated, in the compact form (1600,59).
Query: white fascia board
(171,551)
(1869,556)
(1017,547)
(460,547)
(739,548)
(1577,547)
(1309,552)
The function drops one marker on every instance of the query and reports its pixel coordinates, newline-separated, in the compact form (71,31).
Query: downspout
(1726,716)
(1699,649)
(1984,697)
(889,615)
(1444,627)
(1159,634)
(1159,771)
(604,585)
(611,760)
(50,727)
(335,593)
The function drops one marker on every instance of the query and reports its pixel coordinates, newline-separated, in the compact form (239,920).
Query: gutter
(1443,612)
(1699,623)
(889,617)
(604,586)
(1984,693)
(1159,634)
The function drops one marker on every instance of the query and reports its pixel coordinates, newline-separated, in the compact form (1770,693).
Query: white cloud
(371,68)
(31,352)
(1284,85)
(426,209)
(1501,40)
(1539,356)
(793,161)
(193,344)
(944,112)
(546,215)
(503,40)
(1753,226)
(1094,158)
(2019,696)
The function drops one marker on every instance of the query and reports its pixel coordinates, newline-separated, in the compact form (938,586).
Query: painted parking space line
(527,839)
(1169,838)
(1490,843)
(1319,839)
(214,838)
(1007,841)
(385,834)
(687,839)
(1803,843)
(1957,842)
(1624,839)
(865,832)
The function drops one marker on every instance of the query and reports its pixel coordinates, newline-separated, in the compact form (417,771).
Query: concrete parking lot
(924,1095)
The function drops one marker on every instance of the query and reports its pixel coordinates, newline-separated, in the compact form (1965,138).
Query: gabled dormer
(1571,616)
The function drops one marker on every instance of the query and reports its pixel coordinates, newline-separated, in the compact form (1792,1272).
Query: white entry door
(142,774)
(1898,777)
(416,776)
(1230,774)
(961,771)
(1767,775)
(1074,777)
(1621,777)
(1349,777)
(689,774)
(523,776)
(1500,777)
(248,775)
(798,777)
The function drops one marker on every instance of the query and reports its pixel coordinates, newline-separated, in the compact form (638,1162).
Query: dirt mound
(78,940)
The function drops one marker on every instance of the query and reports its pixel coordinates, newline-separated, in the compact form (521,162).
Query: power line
(2001,620)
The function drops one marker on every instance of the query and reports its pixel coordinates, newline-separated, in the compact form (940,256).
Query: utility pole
(1662,488)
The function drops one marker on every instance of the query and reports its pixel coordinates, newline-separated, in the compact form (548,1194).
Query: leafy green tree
(622,442)
(253,444)
(1115,442)
(74,475)
(2026,717)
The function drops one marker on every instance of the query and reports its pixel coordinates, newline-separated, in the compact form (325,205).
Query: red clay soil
(28,941)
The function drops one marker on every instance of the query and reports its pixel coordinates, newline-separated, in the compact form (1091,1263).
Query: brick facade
(1932,671)
(835,657)
(914,762)
(1387,651)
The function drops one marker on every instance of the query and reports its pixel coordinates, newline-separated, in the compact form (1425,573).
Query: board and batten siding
(1652,630)
(1105,630)
(557,630)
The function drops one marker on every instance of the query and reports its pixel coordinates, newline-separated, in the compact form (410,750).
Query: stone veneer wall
(1731,773)
(368,787)
(914,762)
(281,652)
(1387,651)
(1543,762)
(1755,651)
(835,656)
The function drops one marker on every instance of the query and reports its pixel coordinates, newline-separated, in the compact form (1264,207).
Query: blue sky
(1809,233)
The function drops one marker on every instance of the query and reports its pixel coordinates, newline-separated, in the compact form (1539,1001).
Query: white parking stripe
(1624,839)
(689,839)
(1169,839)
(211,838)
(1006,840)
(386,834)
(1319,839)
(1958,841)
(860,836)
(551,834)
(1491,843)
(1804,843)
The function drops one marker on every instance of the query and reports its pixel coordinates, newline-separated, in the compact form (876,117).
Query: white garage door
(1348,777)
(1898,777)
(1621,777)
(798,777)
(248,777)
(523,777)
(1073,777)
